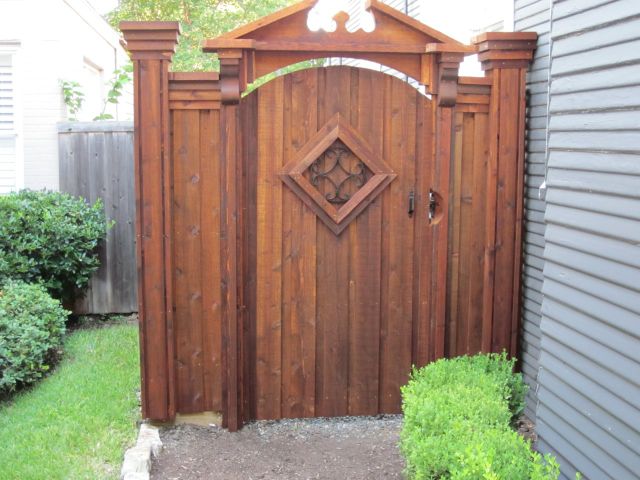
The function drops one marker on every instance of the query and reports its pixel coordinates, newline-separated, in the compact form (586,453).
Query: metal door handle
(433,204)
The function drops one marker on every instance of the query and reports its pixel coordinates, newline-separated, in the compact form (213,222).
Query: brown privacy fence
(302,246)
(96,162)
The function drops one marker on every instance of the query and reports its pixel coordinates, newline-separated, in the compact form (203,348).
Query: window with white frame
(8,124)
(93,89)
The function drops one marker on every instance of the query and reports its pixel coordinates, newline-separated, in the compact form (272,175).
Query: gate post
(444,87)
(151,45)
(505,57)
(231,238)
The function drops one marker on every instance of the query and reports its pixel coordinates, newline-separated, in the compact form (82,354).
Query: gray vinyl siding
(588,411)
(534,15)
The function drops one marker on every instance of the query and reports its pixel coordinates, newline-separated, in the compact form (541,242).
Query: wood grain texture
(156,338)
(269,252)
(364,320)
(332,364)
(338,338)
(230,272)
(97,163)
(248,301)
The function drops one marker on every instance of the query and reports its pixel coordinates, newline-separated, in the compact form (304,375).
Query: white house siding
(589,382)
(55,39)
(534,15)
(9,120)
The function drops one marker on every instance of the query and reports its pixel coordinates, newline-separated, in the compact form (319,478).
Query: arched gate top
(283,38)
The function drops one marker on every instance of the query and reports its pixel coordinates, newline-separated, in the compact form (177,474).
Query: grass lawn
(76,423)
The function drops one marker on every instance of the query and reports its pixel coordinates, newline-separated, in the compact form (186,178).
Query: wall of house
(534,15)
(56,40)
(588,411)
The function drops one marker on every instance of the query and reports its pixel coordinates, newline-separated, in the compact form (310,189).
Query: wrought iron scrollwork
(331,166)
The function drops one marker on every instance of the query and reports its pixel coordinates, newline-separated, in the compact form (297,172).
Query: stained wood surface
(252,305)
(196,247)
(330,324)
(152,160)
(333,321)
(466,233)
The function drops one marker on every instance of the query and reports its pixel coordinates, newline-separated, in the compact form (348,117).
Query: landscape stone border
(137,460)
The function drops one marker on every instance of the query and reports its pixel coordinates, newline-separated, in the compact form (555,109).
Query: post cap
(150,40)
(505,49)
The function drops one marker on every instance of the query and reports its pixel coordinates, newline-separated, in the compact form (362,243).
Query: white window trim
(12,47)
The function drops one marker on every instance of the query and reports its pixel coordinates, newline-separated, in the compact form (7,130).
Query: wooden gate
(340,254)
(302,246)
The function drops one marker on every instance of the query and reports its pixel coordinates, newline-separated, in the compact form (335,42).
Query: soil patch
(319,448)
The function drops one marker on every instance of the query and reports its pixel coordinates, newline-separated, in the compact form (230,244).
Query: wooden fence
(265,295)
(96,162)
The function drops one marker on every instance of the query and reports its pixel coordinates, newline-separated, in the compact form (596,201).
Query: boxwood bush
(32,325)
(458,417)
(50,238)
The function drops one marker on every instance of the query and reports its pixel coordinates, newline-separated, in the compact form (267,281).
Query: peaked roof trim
(374,5)
(269,19)
(410,21)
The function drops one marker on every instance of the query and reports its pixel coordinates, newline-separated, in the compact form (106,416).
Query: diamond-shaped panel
(337,174)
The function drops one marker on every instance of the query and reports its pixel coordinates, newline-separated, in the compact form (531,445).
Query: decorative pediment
(283,38)
(393,28)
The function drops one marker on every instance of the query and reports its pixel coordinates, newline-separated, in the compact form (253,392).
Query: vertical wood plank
(249,110)
(269,252)
(299,257)
(210,274)
(157,342)
(187,253)
(490,213)
(397,277)
(167,211)
(228,259)
(480,157)
(424,262)
(514,346)
(365,239)
(506,208)
(440,227)
(466,233)
(332,327)
(455,222)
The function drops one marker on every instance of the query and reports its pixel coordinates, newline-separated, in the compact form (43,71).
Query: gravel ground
(351,448)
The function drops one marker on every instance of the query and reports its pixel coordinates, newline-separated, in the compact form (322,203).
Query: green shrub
(31,328)
(50,238)
(457,423)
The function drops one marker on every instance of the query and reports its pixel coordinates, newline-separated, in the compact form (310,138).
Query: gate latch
(433,204)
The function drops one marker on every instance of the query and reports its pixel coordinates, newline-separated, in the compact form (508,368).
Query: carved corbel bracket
(447,83)
(230,75)
(445,65)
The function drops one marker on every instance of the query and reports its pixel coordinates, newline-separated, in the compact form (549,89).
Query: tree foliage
(199,20)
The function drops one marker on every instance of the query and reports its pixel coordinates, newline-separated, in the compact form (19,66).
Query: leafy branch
(73,97)
(121,77)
